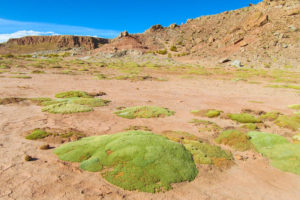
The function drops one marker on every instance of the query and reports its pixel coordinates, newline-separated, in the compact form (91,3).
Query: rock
(45,147)
(256,19)
(295,11)
(59,41)
(285,46)
(243,44)
(224,60)
(155,28)
(211,39)
(238,41)
(293,28)
(124,34)
(239,157)
(173,26)
(236,63)
(28,158)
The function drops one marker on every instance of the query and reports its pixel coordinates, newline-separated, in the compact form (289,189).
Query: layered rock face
(61,41)
(32,44)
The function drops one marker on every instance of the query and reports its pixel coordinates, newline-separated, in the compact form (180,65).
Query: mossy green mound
(210,113)
(94,102)
(40,100)
(179,136)
(244,118)
(37,134)
(271,116)
(295,106)
(291,122)
(68,105)
(133,160)
(41,133)
(144,112)
(250,126)
(66,108)
(70,94)
(235,139)
(283,154)
(203,153)
(206,126)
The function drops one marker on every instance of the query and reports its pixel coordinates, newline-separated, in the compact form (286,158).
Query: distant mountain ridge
(265,33)
(31,44)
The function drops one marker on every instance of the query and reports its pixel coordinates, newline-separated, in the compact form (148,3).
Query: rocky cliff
(31,44)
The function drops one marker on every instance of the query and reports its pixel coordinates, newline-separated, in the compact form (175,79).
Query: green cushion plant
(144,112)
(133,160)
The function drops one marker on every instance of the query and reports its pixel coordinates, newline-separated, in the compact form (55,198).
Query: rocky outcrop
(31,44)
(60,41)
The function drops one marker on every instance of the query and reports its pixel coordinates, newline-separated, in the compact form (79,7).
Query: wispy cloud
(18,34)
(11,28)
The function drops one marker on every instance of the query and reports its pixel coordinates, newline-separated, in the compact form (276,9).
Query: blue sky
(101,18)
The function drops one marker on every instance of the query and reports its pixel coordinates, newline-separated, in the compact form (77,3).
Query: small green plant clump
(173,48)
(295,87)
(162,52)
(39,100)
(41,133)
(71,102)
(203,153)
(179,136)
(133,160)
(235,139)
(270,116)
(144,112)
(70,94)
(250,126)
(206,126)
(66,108)
(21,76)
(283,154)
(295,106)
(244,118)
(4,67)
(37,134)
(210,113)
(291,122)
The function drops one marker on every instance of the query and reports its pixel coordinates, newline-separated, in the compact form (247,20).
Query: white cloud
(12,27)
(19,34)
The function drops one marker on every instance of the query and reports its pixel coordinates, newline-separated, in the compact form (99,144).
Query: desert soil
(49,178)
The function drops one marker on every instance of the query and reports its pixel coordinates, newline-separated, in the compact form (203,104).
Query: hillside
(32,44)
(266,33)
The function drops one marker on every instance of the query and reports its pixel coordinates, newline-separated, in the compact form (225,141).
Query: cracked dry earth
(49,178)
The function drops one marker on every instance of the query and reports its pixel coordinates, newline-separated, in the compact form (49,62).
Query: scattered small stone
(172,26)
(293,28)
(224,60)
(239,157)
(236,63)
(45,147)
(28,158)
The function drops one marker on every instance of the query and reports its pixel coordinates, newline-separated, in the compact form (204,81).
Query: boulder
(124,34)
(256,19)
(236,63)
